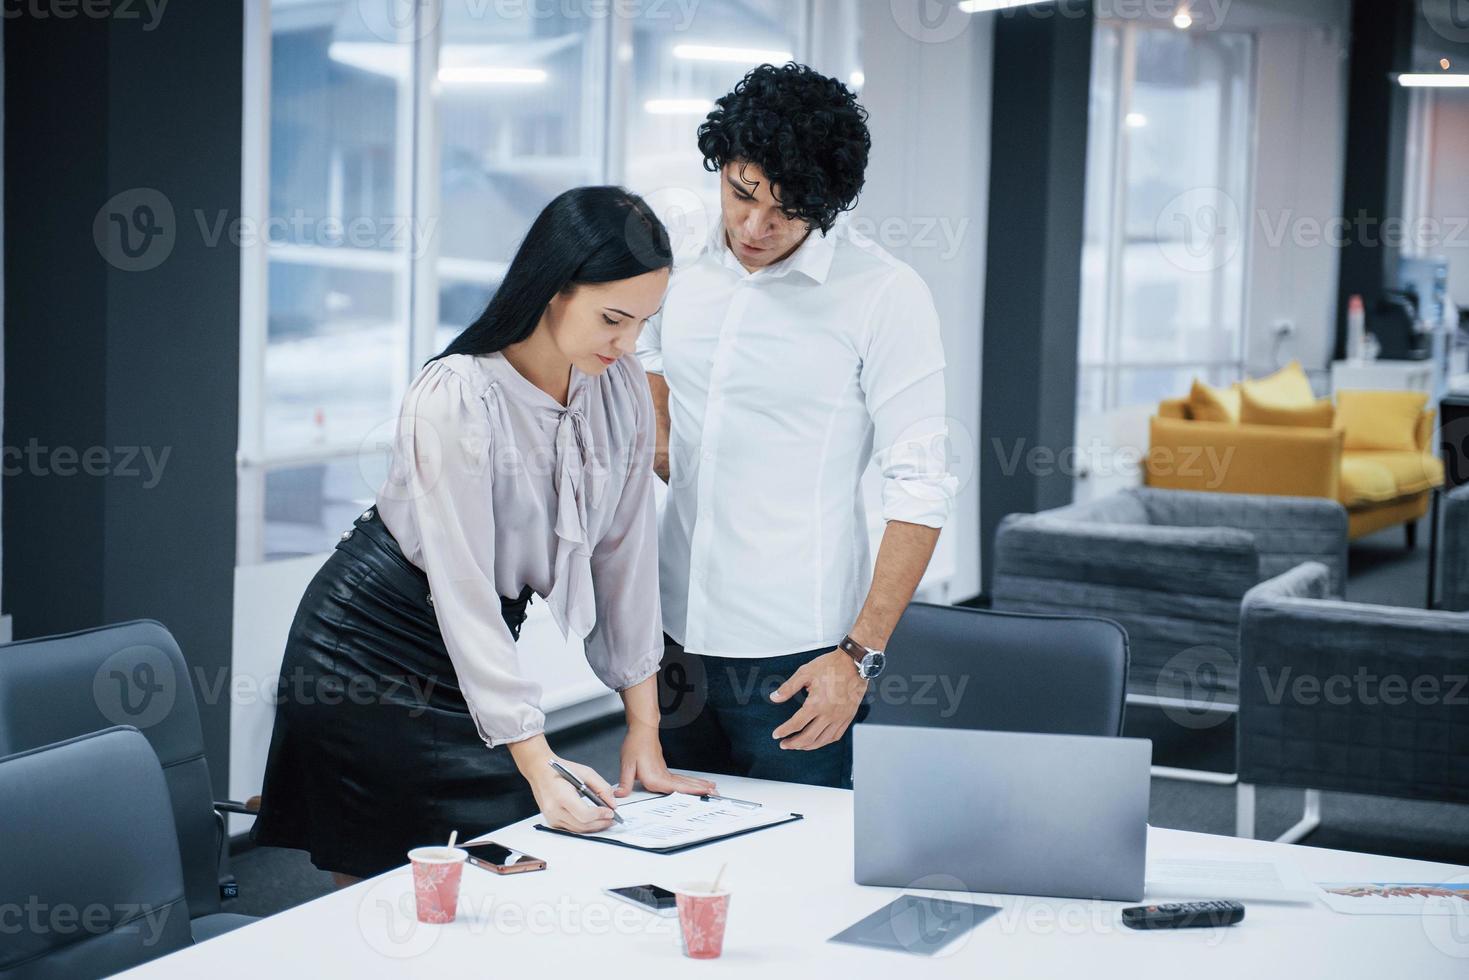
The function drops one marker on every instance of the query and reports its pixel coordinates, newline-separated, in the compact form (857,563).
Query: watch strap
(854,649)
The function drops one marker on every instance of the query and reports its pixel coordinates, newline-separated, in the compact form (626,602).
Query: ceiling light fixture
(677,107)
(486,75)
(984,6)
(1421,80)
(742,56)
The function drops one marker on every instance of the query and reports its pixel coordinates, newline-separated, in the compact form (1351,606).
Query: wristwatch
(869,662)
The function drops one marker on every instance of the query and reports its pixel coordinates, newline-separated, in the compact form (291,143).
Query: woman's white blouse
(493,485)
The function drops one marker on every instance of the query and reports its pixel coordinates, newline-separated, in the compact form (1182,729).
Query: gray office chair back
(58,687)
(955,667)
(89,855)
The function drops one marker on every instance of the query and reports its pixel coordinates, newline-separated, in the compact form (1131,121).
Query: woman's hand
(566,809)
(642,753)
(642,761)
(561,805)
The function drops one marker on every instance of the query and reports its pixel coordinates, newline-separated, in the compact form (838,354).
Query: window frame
(1110,367)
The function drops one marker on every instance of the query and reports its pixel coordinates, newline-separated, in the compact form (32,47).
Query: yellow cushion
(1255,411)
(1380,419)
(1174,408)
(1210,404)
(1287,387)
(1411,471)
(1364,483)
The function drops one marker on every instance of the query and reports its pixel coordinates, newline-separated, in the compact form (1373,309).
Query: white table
(792,890)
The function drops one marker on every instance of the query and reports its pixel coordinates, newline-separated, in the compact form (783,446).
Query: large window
(410,144)
(1163,259)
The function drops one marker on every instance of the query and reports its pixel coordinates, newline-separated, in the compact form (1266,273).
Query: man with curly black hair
(789,353)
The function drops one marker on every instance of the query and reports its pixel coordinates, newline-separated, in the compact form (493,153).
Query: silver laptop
(1007,812)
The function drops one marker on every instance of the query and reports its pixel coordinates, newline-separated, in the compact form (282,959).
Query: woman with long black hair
(522,466)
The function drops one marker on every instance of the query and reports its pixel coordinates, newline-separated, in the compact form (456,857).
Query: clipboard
(745,809)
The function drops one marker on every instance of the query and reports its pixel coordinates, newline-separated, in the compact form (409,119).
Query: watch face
(872,664)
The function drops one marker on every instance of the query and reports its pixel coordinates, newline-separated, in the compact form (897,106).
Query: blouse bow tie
(577,486)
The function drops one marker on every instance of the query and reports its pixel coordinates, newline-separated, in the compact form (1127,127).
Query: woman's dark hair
(805,130)
(585,235)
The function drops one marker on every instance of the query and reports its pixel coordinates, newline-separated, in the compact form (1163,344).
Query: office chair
(89,846)
(955,667)
(57,687)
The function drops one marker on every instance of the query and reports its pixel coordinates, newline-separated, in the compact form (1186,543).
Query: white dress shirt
(493,485)
(784,383)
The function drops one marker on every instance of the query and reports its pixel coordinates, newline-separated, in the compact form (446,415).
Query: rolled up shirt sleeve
(444,450)
(902,379)
(626,644)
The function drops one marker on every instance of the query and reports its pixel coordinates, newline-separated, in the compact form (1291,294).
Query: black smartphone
(501,859)
(659,901)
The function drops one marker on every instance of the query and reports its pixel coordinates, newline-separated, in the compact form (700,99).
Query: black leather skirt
(374,750)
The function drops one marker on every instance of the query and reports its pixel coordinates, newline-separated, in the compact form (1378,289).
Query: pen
(582,788)
(706,797)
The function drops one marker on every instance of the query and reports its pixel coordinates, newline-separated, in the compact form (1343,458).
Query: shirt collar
(812,258)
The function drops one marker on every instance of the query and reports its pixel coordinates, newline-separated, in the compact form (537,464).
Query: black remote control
(1183,915)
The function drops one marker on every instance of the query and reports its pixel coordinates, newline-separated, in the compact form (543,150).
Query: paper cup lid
(700,889)
(439,854)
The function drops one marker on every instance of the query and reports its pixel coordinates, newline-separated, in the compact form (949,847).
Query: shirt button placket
(709,438)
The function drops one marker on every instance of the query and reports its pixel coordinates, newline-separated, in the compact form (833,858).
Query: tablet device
(916,924)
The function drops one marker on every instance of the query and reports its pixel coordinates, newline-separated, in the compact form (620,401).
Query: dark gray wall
(1376,148)
(123,353)
(1042,72)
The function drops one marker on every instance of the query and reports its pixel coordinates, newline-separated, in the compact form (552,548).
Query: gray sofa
(1453,550)
(1171,566)
(1349,697)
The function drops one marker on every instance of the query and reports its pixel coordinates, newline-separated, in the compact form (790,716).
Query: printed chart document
(1398,898)
(676,821)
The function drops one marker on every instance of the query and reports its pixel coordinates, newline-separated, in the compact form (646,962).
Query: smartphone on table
(649,898)
(500,859)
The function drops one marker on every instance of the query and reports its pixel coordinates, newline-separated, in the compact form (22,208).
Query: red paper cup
(701,914)
(436,873)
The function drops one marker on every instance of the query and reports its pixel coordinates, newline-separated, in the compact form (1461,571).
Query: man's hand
(834,692)
(658,387)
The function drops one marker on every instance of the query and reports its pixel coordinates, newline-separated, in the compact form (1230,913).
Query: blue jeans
(718,716)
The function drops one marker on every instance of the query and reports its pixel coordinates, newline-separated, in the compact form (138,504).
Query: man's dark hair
(805,130)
